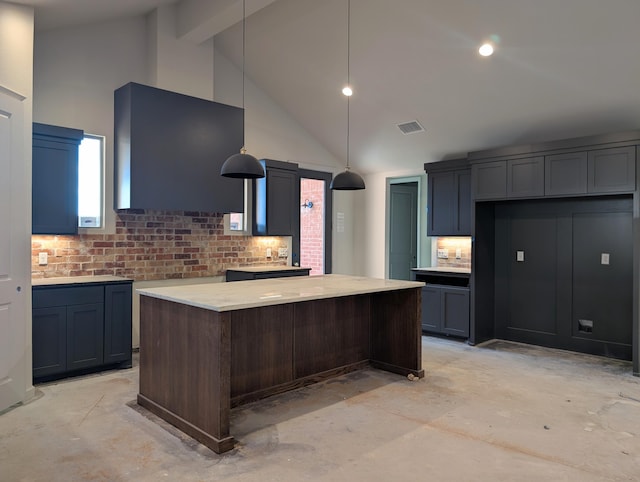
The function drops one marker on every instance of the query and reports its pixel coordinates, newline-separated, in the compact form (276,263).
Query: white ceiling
(563,68)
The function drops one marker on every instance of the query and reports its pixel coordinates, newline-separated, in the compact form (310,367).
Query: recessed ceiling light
(346,90)
(486,49)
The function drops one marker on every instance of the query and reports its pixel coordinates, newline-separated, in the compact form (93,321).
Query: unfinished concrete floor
(502,411)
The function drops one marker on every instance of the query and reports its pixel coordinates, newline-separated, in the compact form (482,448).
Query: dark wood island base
(197,363)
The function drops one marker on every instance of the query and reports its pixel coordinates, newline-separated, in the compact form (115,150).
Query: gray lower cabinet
(80,328)
(445,310)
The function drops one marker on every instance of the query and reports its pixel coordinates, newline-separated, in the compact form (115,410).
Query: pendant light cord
(244,30)
(348,71)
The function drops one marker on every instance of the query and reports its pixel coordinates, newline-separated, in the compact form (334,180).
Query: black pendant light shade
(347,181)
(242,166)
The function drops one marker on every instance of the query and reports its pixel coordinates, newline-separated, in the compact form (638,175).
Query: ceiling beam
(200,20)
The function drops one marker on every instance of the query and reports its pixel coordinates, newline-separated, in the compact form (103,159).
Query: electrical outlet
(43,258)
(443,254)
(283,252)
(268,252)
(458,253)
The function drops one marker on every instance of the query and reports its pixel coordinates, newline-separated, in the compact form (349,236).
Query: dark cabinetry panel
(566,174)
(601,171)
(612,170)
(525,177)
(117,323)
(445,310)
(276,200)
(49,341)
(55,179)
(564,274)
(445,302)
(489,180)
(80,328)
(169,149)
(449,200)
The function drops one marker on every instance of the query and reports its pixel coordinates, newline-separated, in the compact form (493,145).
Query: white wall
(16,75)
(370,232)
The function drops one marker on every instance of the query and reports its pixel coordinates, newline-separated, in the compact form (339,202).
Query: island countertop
(257,293)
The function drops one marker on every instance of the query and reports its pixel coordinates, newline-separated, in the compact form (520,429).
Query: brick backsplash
(451,245)
(153,245)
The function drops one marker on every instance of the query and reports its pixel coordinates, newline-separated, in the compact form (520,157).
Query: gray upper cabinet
(169,149)
(489,180)
(276,200)
(449,201)
(525,177)
(566,174)
(612,170)
(54,179)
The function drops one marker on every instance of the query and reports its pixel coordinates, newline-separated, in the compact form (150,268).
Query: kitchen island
(207,348)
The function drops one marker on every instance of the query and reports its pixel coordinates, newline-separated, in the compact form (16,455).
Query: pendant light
(348,180)
(242,165)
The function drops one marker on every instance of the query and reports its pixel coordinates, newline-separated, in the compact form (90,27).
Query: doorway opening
(315,221)
(406,244)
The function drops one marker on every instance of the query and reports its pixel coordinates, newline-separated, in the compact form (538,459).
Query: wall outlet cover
(43,258)
(283,252)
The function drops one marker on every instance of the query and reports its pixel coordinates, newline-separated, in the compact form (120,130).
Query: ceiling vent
(410,127)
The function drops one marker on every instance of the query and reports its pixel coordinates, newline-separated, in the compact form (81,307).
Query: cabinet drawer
(44,297)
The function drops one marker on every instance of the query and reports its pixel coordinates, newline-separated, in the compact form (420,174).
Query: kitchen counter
(73,280)
(251,294)
(207,348)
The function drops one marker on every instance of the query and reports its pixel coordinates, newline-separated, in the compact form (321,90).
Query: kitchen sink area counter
(207,348)
(78,280)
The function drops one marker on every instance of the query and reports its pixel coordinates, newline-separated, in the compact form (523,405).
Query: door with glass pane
(314,242)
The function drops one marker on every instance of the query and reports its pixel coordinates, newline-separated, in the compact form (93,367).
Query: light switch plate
(268,252)
(520,256)
(604,258)
(43,258)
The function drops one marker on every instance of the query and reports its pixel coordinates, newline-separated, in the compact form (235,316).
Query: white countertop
(251,294)
(263,269)
(71,280)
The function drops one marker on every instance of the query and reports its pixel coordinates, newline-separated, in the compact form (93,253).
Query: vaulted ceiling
(562,68)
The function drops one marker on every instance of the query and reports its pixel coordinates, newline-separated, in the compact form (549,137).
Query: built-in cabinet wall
(553,246)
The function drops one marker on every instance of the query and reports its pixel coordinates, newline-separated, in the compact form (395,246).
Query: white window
(90,181)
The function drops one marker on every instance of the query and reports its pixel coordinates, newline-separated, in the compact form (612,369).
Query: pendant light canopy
(348,180)
(242,165)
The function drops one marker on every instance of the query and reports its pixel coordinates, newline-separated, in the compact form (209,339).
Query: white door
(15,242)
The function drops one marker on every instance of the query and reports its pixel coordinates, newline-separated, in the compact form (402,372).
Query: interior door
(15,206)
(403,229)
(314,242)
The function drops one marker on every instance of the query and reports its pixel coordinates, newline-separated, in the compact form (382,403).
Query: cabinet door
(565,174)
(49,338)
(525,177)
(117,323)
(455,311)
(85,335)
(441,208)
(462,212)
(431,312)
(54,187)
(489,180)
(612,170)
(282,202)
